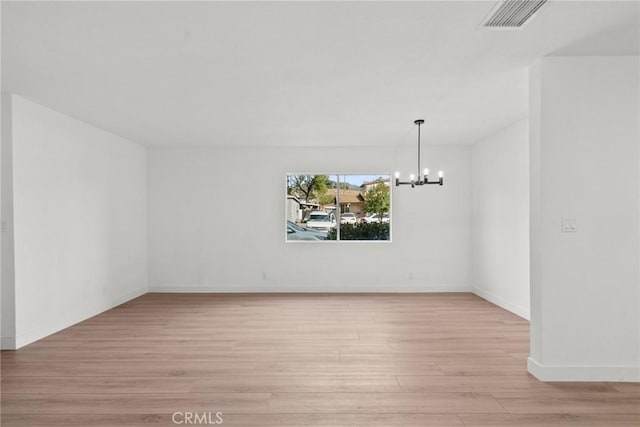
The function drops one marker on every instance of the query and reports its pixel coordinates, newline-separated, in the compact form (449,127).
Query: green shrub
(361,231)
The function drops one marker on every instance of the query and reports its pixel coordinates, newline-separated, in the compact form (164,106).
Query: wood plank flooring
(299,360)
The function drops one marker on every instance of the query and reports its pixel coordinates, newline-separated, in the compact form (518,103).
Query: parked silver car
(295,232)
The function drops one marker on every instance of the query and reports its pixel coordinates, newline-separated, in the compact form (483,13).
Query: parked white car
(319,220)
(348,218)
(375,218)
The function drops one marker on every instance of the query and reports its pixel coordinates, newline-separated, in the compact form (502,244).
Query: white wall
(80,220)
(216,223)
(585,286)
(500,218)
(7,287)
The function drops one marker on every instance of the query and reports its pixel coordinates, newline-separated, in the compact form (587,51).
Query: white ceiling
(293,73)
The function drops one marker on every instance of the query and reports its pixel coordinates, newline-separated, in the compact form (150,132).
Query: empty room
(306,213)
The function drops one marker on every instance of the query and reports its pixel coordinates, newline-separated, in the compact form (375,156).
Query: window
(330,207)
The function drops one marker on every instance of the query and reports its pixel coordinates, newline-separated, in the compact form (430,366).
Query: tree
(324,198)
(377,199)
(307,186)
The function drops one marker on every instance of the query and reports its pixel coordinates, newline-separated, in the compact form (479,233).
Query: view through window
(321,207)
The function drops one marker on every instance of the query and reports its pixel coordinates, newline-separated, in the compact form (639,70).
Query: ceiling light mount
(424,180)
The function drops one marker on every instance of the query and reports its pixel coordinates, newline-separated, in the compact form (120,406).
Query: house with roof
(368,185)
(349,201)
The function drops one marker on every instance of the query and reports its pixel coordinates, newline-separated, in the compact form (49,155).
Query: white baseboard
(494,299)
(583,373)
(7,343)
(71,318)
(323,288)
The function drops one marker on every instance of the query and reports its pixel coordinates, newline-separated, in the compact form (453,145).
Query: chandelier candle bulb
(426,173)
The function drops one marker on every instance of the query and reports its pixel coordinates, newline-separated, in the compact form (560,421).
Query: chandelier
(424,180)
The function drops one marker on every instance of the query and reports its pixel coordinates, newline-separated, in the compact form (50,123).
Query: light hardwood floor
(299,360)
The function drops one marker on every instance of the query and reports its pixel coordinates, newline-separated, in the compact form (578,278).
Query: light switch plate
(569,224)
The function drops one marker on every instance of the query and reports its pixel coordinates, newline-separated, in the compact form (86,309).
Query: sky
(357,180)
(353,179)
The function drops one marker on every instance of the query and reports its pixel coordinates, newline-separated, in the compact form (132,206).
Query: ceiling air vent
(512,14)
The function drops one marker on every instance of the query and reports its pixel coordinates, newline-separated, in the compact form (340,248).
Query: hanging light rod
(424,180)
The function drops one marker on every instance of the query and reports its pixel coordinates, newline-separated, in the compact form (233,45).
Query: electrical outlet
(569,224)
